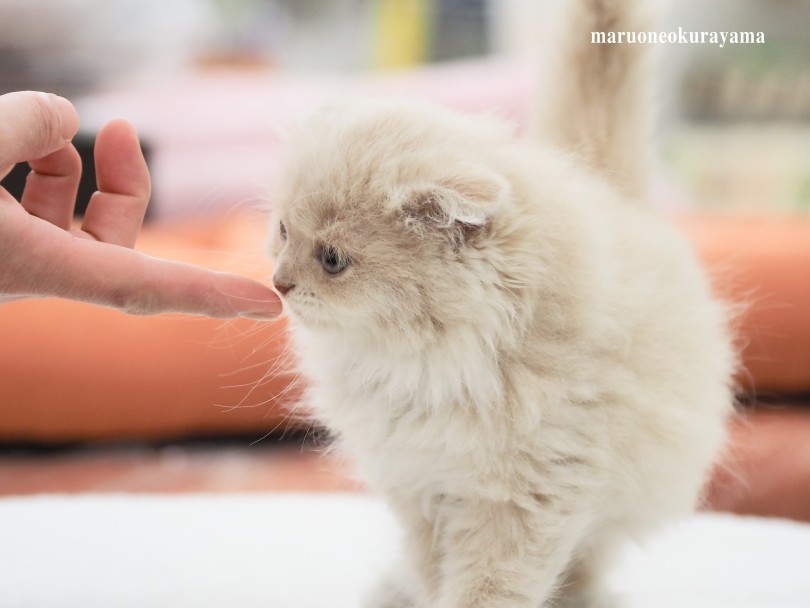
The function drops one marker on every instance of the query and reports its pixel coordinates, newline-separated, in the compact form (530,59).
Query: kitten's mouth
(308,313)
(297,305)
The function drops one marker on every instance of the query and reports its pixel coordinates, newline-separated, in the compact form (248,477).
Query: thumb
(33,125)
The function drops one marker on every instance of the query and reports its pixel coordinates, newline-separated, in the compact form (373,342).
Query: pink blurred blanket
(216,135)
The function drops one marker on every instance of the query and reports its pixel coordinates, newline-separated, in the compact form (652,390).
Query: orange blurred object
(762,265)
(75,372)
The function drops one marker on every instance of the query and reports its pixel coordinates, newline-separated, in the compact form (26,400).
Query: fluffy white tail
(595,102)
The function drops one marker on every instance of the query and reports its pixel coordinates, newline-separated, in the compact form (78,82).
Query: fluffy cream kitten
(520,357)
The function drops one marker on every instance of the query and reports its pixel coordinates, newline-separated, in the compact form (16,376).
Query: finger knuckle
(49,128)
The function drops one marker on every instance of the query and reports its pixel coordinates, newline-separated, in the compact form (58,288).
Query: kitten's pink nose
(282,286)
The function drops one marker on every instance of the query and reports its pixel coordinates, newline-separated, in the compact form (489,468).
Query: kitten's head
(385,219)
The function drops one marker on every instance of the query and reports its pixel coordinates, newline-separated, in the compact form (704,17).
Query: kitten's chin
(310,318)
(327,323)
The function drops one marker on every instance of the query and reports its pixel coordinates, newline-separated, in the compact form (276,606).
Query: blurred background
(211,84)
(714,100)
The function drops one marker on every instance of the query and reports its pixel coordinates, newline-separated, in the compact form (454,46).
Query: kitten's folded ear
(461,204)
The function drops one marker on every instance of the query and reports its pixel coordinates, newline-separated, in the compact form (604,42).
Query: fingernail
(67,114)
(260,316)
(272,310)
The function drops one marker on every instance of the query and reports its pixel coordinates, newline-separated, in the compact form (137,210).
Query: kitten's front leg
(503,554)
(392,591)
(409,583)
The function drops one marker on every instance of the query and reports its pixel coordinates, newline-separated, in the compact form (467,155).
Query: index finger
(112,275)
(33,125)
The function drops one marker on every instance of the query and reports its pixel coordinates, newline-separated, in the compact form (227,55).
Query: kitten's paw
(389,593)
(602,600)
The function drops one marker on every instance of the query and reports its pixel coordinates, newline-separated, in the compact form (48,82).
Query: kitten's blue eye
(282,230)
(332,261)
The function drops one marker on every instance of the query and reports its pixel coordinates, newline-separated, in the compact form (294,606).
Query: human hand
(41,255)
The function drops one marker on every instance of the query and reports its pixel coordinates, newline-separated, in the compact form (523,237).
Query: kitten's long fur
(595,100)
(525,364)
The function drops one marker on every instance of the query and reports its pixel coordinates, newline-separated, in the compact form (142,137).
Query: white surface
(322,551)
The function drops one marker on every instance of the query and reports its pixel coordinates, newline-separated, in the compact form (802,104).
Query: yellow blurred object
(401,28)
